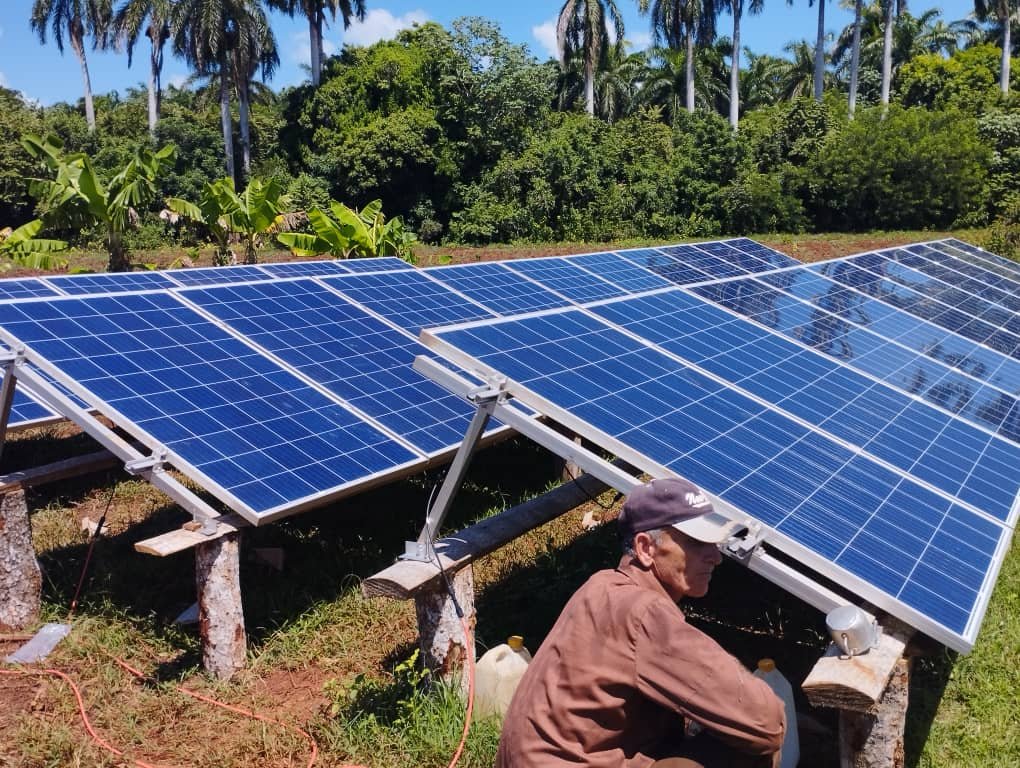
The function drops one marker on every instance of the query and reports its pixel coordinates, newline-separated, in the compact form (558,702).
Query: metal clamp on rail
(741,547)
(147,464)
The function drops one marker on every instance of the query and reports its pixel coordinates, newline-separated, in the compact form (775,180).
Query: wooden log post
(440,631)
(870,691)
(220,614)
(20,577)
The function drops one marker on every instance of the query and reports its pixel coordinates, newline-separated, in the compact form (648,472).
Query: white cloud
(640,41)
(380,24)
(177,81)
(545,34)
(301,48)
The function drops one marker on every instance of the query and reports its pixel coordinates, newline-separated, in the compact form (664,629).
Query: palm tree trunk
(689,71)
(887,53)
(855,56)
(589,87)
(243,101)
(735,70)
(315,40)
(1007,47)
(820,52)
(78,46)
(225,122)
(153,90)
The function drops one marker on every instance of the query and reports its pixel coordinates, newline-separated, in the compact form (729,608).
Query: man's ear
(644,548)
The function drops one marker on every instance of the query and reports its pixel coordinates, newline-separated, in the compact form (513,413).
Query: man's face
(683,565)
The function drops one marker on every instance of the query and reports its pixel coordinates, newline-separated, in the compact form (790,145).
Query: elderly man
(622,680)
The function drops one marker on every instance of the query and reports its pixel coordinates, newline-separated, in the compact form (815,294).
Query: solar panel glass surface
(973,255)
(340,346)
(305,268)
(110,282)
(932,445)
(376,264)
(975,280)
(620,271)
(408,299)
(567,279)
(929,557)
(24,288)
(249,430)
(26,410)
(500,289)
(217,275)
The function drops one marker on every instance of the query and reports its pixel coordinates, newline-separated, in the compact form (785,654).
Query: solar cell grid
(920,305)
(305,268)
(26,410)
(217,275)
(953,456)
(976,280)
(969,253)
(353,354)
(408,299)
(500,289)
(250,431)
(704,261)
(558,274)
(619,271)
(110,282)
(674,269)
(24,288)
(376,264)
(893,538)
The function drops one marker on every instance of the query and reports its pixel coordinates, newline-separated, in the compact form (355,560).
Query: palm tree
(736,7)
(582,28)
(76,18)
(617,83)
(855,57)
(682,24)
(664,81)
(819,70)
(799,76)
(255,49)
(152,16)
(217,37)
(761,84)
(1005,12)
(890,9)
(315,11)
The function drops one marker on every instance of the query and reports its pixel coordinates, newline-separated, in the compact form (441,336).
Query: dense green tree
(77,19)
(151,18)
(1004,12)
(582,28)
(968,80)
(17,118)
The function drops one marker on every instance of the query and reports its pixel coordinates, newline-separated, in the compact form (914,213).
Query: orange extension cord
(254,715)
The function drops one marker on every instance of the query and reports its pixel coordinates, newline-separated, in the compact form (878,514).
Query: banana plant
(227,215)
(76,197)
(21,247)
(350,233)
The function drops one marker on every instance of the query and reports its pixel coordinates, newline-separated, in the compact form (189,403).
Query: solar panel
(340,346)
(620,271)
(408,299)
(923,555)
(500,289)
(567,279)
(27,411)
(305,268)
(965,319)
(246,429)
(673,269)
(966,252)
(932,445)
(770,257)
(975,280)
(217,275)
(110,282)
(24,288)
(376,264)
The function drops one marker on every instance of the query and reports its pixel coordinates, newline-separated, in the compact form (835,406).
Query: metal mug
(852,630)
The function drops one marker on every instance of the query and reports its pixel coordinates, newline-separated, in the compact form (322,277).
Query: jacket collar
(643,577)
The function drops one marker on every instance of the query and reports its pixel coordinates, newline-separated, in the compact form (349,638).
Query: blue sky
(42,74)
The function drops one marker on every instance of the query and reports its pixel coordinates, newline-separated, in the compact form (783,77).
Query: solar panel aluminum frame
(743,549)
(151,466)
(962,642)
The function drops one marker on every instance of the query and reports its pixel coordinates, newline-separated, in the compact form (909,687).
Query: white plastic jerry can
(767,671)
(497,674)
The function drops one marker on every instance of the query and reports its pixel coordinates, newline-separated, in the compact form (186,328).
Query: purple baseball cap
(678,503)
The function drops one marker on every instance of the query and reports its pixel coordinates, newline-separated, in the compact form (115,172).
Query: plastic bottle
(497,674)
(767,671)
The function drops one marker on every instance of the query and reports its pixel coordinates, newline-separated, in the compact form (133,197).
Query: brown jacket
(619,672)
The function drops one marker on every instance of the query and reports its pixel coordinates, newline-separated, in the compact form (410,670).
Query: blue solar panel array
(24,288)
(500,289)
(27,411)
(926,550)
(305,268)
(353,354)
(566,278)
(110,282)
(251,429)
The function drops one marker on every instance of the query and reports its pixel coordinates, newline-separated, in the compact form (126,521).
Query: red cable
(81,709)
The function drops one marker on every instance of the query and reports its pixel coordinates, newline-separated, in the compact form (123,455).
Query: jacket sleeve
(686,671)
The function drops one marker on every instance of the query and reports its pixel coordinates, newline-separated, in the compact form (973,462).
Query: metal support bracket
(147,464)
(741,547)
(486,398)
(10,359)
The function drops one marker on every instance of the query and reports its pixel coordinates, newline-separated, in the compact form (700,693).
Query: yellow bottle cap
(766,665)
(516,642)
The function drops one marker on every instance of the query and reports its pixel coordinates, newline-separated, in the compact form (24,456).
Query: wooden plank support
(59,470)
(187,536)
(870,691)
(20,577)
(440,632)
(220,613)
